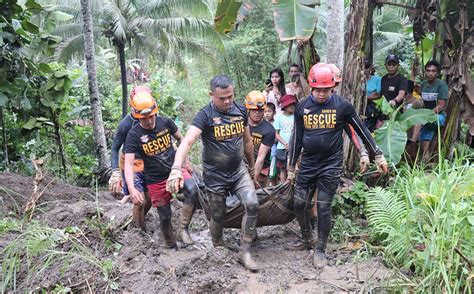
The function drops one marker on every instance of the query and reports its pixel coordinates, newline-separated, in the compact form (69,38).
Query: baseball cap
(392,57)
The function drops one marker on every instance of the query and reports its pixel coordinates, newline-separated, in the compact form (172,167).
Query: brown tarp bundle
(275,205)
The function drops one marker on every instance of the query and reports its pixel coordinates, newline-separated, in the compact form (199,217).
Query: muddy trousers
(245,191)
(302,206)
(165,225)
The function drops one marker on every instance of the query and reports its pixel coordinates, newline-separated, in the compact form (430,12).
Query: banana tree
(451,23)
(295,22)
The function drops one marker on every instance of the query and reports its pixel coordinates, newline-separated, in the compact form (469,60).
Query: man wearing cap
(319,122)
(394,85)
(223,126)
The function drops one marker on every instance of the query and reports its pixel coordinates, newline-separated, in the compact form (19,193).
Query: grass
(37,248)
(425,221)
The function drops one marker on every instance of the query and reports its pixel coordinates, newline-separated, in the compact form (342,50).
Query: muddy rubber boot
(305,243)
(246,257)
(167,231)
(319,259)
(216,231)
(184,220)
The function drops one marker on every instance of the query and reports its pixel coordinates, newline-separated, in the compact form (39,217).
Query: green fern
(385,210)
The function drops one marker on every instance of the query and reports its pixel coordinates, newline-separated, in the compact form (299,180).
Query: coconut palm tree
(99,134)
(166,29)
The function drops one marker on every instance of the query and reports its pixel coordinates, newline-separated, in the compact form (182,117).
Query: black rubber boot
(246,257)
(184,221)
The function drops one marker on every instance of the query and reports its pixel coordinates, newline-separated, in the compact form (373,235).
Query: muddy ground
(143,265)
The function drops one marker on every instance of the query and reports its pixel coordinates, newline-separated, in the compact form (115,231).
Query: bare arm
(185,145)
(374,96)
(440,106)
(279,138)
(248,147)
(400,96)
(262,153)
(137,197)
(179,138)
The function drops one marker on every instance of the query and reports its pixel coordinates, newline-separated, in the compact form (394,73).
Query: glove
(175,180)
(364,163)
(115,182)
(381,163)
(291,174)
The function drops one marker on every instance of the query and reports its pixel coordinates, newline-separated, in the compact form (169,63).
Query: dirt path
(145,266)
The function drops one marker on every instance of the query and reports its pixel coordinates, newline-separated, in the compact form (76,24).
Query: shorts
(428,130)
(281,156)
(158,194)
(138,181)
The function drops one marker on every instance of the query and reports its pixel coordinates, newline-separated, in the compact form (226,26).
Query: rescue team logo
(229,131)
(324,120)
(161,143)
(257,139)
(217,120)
(144,139)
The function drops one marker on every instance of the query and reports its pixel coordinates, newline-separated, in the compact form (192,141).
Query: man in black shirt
(151,140)
(394,85)
(319,122)
(263,135)
(223,127)
(117,161)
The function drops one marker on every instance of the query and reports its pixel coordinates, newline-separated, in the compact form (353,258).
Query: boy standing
(284,127)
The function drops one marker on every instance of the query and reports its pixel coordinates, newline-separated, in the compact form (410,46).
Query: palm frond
(169,8)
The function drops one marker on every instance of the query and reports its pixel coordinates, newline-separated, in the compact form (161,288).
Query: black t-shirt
(223,139)
(155,147)
(391,86)
(119,138)
(263,133)
(318,131)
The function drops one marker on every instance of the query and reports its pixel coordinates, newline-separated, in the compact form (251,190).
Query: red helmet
(337,72)
(321,76)
(287,100)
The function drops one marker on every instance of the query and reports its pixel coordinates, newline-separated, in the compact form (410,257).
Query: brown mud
(143,265)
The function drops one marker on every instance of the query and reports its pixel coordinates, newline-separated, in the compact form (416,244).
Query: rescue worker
(319,122)
(150,139)
(115,182)
(223,127)
(263,135)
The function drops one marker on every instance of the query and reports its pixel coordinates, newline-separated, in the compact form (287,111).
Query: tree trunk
(123,76)
(59,142)
(457,58)
(353,78)
(99,133)
(335,33)
(4,139)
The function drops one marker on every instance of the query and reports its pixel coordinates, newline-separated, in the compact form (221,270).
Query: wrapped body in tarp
(275,205)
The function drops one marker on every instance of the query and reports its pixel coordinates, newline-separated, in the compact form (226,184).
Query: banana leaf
(413,117)
(391,138)
(226,15)
(295,19)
